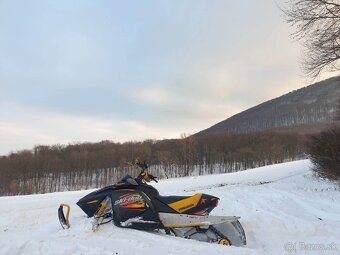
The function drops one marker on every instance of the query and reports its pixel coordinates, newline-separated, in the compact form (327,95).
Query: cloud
(23,127)
(152,95)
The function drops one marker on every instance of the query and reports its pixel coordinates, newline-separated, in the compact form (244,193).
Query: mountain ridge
(313,104)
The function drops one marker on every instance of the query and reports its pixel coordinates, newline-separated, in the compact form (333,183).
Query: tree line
(91,165)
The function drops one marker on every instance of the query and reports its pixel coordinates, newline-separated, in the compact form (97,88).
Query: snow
(284,209)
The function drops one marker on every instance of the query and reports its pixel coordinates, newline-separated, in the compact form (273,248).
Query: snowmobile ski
(64,221)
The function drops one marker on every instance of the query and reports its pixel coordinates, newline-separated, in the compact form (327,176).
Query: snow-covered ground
(283,209)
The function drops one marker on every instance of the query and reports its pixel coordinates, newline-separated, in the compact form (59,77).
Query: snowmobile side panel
(185,204)
(90,203)
(198,204)
(133,209)
(205,205)
(171,199)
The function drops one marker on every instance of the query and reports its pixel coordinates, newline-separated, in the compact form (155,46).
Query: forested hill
(313,104)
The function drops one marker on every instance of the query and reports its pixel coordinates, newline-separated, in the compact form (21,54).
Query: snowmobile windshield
(128,180)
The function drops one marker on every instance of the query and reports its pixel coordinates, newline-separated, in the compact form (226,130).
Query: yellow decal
(92,202)
(186,203)
(185,225)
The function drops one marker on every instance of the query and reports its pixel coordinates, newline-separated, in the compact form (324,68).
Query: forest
(92,165)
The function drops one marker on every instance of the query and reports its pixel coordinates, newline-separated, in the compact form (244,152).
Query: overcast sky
(132,70)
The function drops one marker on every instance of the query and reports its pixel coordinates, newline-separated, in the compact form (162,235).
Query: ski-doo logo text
(133,198)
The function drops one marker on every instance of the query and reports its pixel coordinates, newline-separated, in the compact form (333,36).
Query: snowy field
(283,209)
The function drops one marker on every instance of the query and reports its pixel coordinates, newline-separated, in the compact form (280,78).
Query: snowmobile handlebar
(153,178)
(144,174)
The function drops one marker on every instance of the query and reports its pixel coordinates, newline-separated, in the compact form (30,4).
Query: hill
(281,207)
(312,106)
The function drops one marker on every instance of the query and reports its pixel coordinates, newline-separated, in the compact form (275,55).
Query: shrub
(324,152)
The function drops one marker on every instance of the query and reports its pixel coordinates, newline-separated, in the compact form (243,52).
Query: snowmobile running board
(172,220)
(64,221)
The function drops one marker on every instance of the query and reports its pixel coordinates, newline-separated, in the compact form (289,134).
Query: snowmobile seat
(171,199)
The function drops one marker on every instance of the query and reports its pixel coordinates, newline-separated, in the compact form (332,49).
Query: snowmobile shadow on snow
(132,203)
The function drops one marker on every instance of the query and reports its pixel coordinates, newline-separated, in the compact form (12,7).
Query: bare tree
(317,25)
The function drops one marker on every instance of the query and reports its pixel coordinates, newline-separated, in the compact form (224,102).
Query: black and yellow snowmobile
(132,203)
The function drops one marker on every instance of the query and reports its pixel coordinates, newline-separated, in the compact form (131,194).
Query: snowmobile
(132,203)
